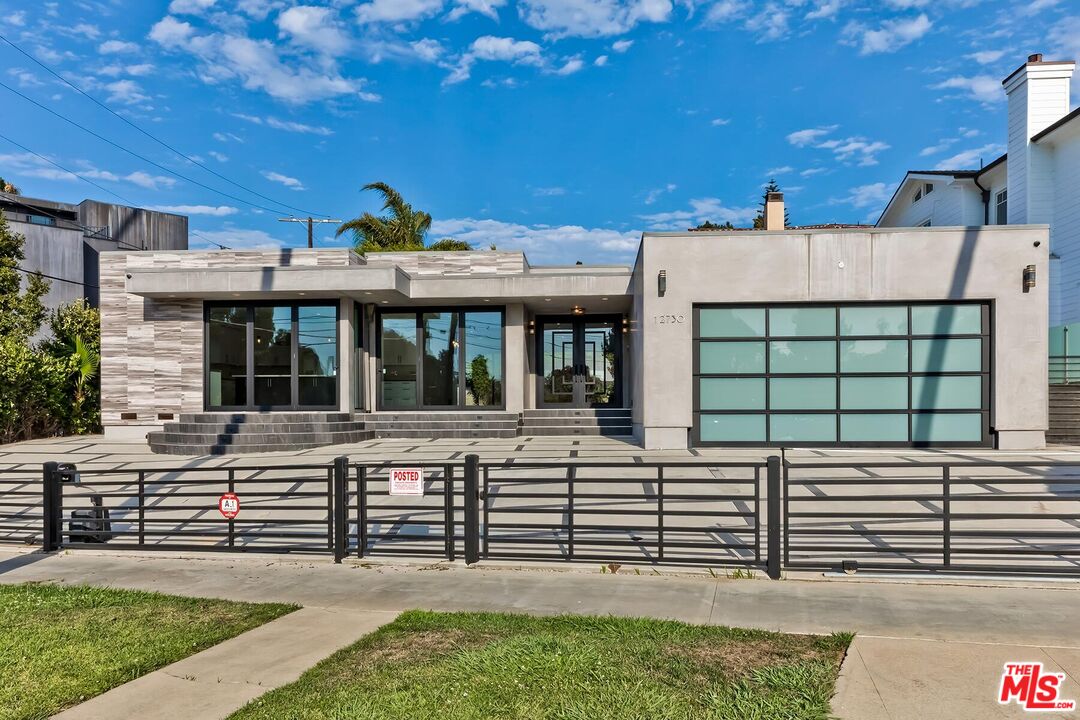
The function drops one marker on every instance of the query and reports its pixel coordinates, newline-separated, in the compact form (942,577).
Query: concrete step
(254,428)
(311,439)
(430,416)
(575,412)
(263,417)
(539,422)
(200,449)
(382,426)
(446,433)
(552,430)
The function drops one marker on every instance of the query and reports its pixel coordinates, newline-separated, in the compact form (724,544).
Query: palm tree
(402,228)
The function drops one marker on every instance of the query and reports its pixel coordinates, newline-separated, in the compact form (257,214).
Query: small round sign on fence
(229,505)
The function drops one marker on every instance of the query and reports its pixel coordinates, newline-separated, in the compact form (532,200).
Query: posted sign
(229,505)
(406,481)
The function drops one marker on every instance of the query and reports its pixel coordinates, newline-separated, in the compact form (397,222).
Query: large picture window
(859,374)
(280,356)
(440,359)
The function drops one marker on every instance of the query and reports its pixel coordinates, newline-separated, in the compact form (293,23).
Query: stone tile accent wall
(152,350)
(490,262)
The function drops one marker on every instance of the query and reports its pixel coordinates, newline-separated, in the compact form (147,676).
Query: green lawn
(61,645)
(453,666)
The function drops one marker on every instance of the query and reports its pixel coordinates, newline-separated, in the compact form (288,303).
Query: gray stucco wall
(983,263)
(54,251)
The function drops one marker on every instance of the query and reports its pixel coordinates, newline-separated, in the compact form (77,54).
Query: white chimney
(774,211)
(1038,94)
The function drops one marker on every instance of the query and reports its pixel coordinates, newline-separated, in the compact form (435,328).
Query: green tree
(76,342)
(400,228)
(759,221)
(9,188)
(709,225)
(21,311)
(480,382)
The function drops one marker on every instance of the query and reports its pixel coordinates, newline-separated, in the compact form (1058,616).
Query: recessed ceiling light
(603,298)
(547,299)
(385,302)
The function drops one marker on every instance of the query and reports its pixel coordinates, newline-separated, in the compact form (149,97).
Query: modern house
(63,241)
(783,337)
(1037,180)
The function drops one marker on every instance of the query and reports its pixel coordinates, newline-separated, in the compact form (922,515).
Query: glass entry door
(579,362)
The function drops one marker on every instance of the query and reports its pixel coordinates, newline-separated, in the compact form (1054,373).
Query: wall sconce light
(661,283)
(577,310)
(1029,277)
(532,327)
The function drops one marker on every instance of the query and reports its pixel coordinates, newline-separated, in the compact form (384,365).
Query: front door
(579,361)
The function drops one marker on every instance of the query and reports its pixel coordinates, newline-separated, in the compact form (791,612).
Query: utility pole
(309,221)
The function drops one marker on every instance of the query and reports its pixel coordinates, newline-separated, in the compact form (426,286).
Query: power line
(100,187)
(147,134)
(137,155)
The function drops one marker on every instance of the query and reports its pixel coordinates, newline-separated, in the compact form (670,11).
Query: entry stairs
(1064,415)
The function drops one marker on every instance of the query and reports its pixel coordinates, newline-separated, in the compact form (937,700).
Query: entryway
(580,362)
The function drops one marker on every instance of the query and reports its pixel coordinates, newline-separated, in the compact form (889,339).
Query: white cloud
(235,238)
(969,159)
(654,194)
(720,122)
(427,49)
(289,182)
(570,67)
(111,47)
(190,7)
(483,7)
(286,125)
(369,96)
(227,137)
(170,32)
(802,138)
(723,11)
(150,182)
(941,146)
(84,31)
(549,191)
(984,88)
(1064,39)
(212,210)
(25,77)
(126,92)
(316,28)
(783,170)
(621,46)
(810,172)
(16,19)
(771,23)
(257,64)
(220,157)
(259,9)
(543,242)
(600,61)
(491,48)
(139,69)
(1037,6)
(591,18)
(700,210)
(825,9)
(891,36)
(391,11)
(986,57)
(866,195)
(851,149)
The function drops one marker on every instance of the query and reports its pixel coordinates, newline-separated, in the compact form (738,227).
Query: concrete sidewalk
(221,679)
(922,648)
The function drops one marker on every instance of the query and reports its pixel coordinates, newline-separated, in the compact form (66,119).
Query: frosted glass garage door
(860,374)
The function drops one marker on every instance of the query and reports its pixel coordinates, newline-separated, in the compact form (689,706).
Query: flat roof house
(863,337)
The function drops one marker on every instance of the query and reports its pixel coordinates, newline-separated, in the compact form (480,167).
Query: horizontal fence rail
(989,517)
(21,506)
(1064,369)
(692,513)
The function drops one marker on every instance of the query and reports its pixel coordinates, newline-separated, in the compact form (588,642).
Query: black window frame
(986,409)
(419,312)
(250,305)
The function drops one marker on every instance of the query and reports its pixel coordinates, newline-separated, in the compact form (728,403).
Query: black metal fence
(989,517)
(979,516)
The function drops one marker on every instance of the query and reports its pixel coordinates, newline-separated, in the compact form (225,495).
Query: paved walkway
(221,679)
(924,650)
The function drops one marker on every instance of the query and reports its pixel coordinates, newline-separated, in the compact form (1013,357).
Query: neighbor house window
(927,222)
(1003,207)
(917,196)
(928,188)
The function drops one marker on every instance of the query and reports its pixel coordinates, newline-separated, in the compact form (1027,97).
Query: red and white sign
(406,481)
(229,505)
(1032,688)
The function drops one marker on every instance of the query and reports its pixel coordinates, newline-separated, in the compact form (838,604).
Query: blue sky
(561,127)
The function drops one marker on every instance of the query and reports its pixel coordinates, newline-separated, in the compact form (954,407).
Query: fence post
(341,503)
(946,516)
(51,510)
(773,516)
(472,510)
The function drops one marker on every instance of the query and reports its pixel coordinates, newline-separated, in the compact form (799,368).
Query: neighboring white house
(1036,181)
